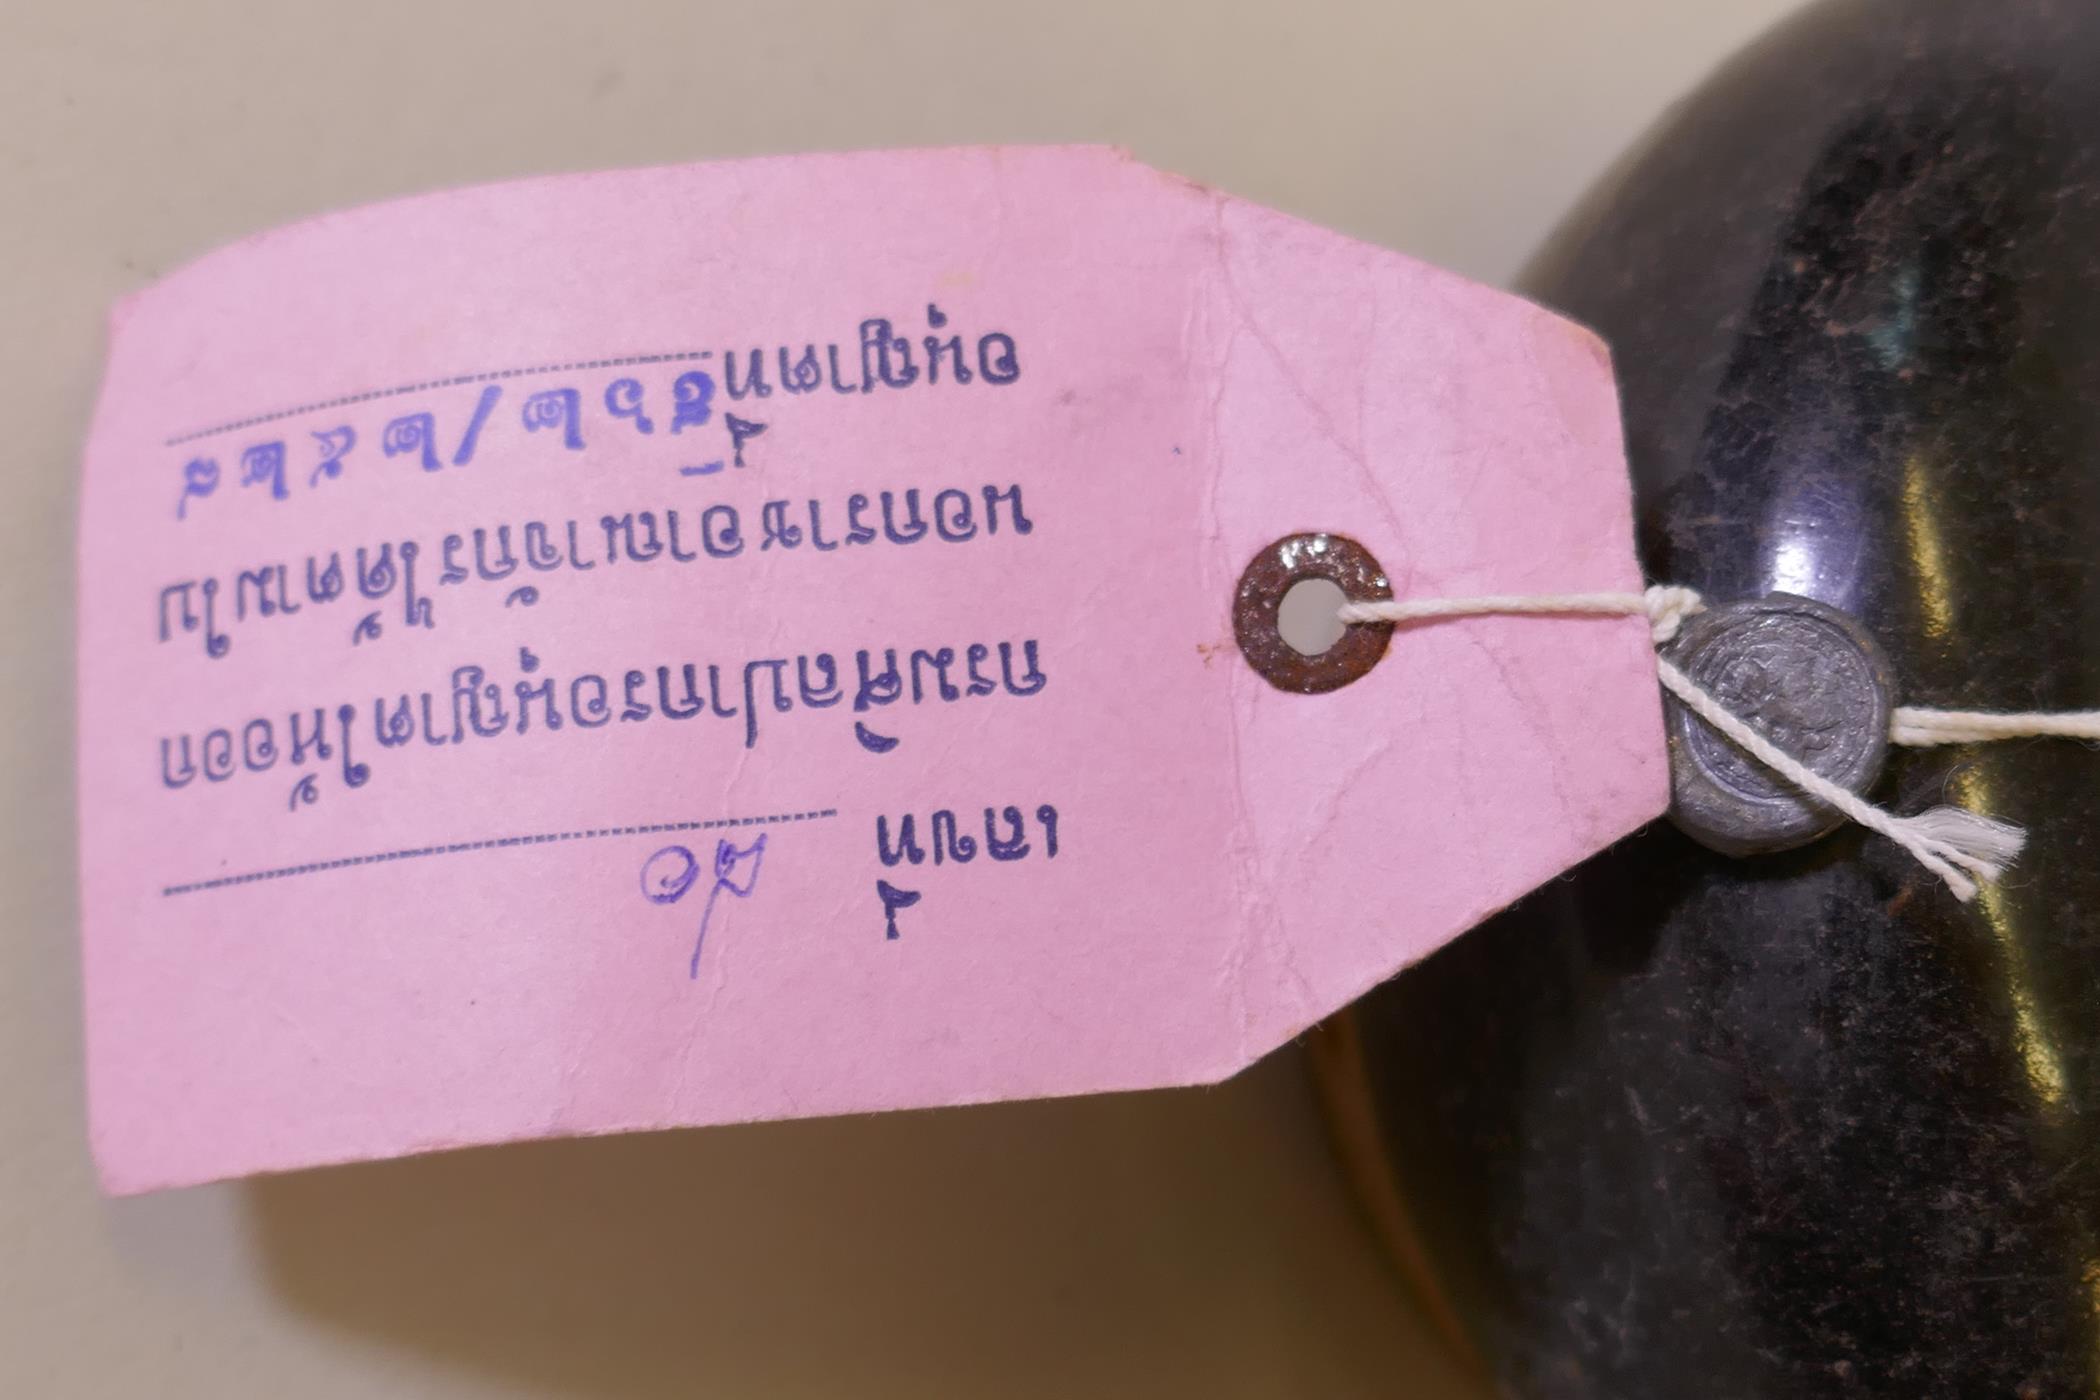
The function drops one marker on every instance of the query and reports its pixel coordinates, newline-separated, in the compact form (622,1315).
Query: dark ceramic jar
(1800,1125)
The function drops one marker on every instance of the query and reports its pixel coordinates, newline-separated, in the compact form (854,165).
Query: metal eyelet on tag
(1258,601)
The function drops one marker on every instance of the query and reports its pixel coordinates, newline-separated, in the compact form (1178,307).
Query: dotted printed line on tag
(480,377)
(286,872)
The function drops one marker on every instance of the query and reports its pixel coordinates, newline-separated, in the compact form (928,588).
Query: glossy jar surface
(1802,1125)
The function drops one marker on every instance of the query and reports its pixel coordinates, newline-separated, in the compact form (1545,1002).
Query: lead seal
(1805,676)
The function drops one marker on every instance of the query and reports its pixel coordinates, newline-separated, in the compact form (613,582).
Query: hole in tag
(1276,649)
(1306,619)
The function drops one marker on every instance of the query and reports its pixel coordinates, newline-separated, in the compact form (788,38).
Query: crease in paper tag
(741,641)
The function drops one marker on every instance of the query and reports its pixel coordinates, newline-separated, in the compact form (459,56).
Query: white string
(1665,608)
(1922,729)
(1946,840)
(1959,846)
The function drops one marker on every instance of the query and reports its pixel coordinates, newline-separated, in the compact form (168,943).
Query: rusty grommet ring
(1256,602)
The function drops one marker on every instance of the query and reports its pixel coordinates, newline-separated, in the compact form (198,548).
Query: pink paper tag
(753,640)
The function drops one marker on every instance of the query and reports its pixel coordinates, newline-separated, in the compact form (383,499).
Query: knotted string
(1959,846)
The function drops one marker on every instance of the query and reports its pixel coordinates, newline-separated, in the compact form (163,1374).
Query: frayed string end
(1968,841)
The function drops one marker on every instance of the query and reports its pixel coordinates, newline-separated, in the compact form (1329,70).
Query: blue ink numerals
(670,874)
(882,356)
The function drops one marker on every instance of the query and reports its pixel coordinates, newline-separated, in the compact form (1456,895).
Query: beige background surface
(1152,1245)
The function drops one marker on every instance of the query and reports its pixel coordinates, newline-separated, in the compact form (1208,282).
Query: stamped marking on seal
(1808,678)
